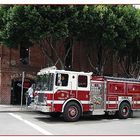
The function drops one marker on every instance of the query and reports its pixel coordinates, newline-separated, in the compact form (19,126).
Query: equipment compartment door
(97,95)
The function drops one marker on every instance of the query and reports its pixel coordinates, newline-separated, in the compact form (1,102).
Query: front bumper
(42,108)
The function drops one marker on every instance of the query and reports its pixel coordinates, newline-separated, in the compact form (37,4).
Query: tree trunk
(45,52)
(100,65)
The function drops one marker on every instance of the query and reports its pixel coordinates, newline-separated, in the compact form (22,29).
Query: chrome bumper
(42,108)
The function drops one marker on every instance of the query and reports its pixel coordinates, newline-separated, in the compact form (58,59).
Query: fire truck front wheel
(72,112)
(124,110)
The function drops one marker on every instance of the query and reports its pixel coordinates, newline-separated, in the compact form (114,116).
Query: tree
(26,25)
(95,25)
(113,30)
(108,29)
(127,43)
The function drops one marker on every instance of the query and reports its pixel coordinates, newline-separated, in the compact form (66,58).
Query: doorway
(16,91)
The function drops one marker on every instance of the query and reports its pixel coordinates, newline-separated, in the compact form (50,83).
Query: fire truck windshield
(45,82)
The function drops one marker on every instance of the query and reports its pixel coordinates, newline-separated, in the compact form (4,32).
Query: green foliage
(18,25)
(126,25)
(108,26)
(99,22)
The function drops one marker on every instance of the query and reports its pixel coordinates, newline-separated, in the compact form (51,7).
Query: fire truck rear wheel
(72,112)
(124,110)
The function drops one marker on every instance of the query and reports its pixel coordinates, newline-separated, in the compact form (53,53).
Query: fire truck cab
(72,94)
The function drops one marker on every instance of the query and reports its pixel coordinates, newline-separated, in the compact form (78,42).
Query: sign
(19,75)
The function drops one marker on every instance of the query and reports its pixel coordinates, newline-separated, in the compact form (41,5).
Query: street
(36,123)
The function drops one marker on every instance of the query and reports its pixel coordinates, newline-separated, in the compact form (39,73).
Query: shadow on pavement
(95,118)
(49,119)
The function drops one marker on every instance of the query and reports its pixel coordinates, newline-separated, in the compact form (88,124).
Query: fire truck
(82,93)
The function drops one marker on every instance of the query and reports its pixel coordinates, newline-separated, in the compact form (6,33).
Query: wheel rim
(72,112)
(125,111)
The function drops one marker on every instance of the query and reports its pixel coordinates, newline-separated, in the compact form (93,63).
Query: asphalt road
(36,123)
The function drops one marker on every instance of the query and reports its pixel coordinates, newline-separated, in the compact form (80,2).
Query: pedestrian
(30,95)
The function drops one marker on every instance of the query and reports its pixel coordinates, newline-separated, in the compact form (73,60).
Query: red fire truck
(73,94)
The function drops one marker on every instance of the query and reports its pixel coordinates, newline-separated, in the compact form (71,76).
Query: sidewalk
(11,108)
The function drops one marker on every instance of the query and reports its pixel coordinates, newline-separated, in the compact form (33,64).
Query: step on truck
(73,94)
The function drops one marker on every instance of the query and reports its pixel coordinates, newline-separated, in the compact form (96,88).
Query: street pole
(23,75)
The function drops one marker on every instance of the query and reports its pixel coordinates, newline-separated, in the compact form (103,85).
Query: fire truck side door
(68,88)
(83,87)
(97,94)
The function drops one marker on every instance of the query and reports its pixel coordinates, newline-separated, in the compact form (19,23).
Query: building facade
(13,62)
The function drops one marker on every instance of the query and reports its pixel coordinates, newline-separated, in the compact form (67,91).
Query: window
(45,82)
(82,81)
(68,53)
(24,55)
(61,79)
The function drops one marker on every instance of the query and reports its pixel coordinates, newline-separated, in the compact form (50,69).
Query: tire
(55,114)
(124,110)
(72,112)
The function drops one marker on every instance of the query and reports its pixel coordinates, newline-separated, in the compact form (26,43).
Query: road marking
(43,131)
(115,119)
